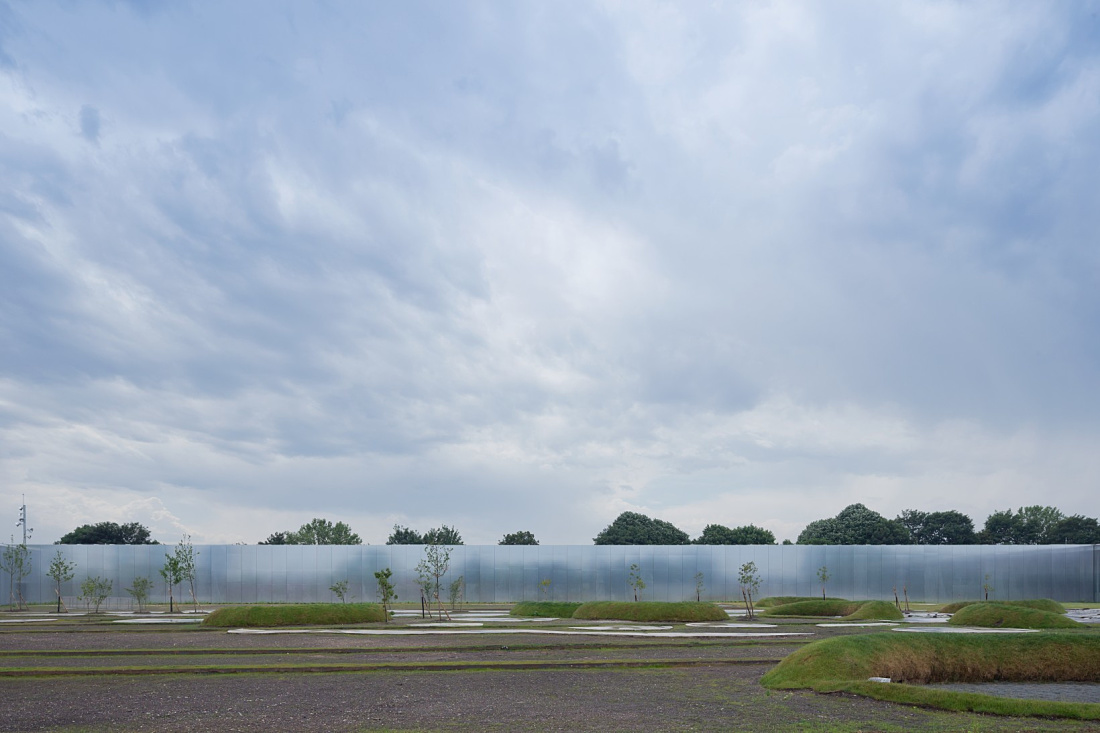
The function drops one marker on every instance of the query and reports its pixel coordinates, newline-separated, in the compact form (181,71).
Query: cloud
(504,269)
(89,124)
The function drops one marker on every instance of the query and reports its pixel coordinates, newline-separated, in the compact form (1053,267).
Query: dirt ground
(720,689)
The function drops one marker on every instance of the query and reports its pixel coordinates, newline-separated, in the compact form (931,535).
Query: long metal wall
(265,573)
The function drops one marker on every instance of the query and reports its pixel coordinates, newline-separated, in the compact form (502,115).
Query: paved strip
(544,632)
(380,667)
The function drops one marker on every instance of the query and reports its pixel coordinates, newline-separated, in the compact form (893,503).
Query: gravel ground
(716,695)
(1057,691)
(704,699)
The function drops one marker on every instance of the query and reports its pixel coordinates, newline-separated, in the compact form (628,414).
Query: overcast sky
(515,266)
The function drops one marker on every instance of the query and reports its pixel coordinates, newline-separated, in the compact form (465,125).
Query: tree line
(854,525)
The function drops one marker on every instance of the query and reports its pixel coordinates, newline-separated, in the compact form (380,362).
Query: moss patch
(875,611)
(996,616)
(772,601)
(298,614)
(1041,604)
(845,663)
(545,609)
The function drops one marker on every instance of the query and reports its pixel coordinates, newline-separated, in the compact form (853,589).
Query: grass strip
(295,614)
(772,601)
(449,666)
(998,616)
(875,611)
(650,611)
(816,607)
(544,609)
(843,664)
(1040,604)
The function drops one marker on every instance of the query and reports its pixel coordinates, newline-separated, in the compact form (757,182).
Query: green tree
(699,587)
(938,528)
(96,590)
(456,590)
(173,576)
(60,571)
(716,534)
(636,582)
(1039,522)
(631,528)
(431,570)
(1075,530)
(15,560)
(1029,525)
(823,575)
(108,533)
(443,535)
(278,538)
(855,525)
(749,579)
(140,589)
(319,531)
(385,590)
(404,536)
(340,588)
(519,538)
(185,561)
(1002,528)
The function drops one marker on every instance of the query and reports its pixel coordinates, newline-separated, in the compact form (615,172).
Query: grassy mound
(651,611)
(772,601)
(875,611)
(545,609)
(844,663)
(297,614)
(816,607)
(1040,604)
(996,616)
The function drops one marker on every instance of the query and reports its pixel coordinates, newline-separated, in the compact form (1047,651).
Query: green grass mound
(297,614)
(997,616)
(772,601)
(844,663)
(545,609)
(875,611)
(816,607)
(1040,604)
(651,611)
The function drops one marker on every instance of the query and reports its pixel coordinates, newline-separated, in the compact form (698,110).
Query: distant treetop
(519,538)
(631,528)
(108,533)
(316,532)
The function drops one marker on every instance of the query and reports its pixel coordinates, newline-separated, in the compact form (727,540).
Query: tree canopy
(1075,530)
(404,536)
(1029,525)
(442,535)
(938,528)
(316,532)
(631,528)
(522,537)
(855,525)
(108,533)
(716,534)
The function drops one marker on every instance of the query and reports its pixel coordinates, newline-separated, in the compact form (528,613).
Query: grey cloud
(89,123)
(450,263)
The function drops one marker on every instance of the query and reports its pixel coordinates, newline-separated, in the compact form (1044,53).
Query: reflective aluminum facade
(493,573)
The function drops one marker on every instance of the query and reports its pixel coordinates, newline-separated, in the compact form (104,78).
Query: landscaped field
(496,672)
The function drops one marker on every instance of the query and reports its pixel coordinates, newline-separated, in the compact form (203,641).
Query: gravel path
(1056,691)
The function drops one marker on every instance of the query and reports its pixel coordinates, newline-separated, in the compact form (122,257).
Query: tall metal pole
(23,519)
